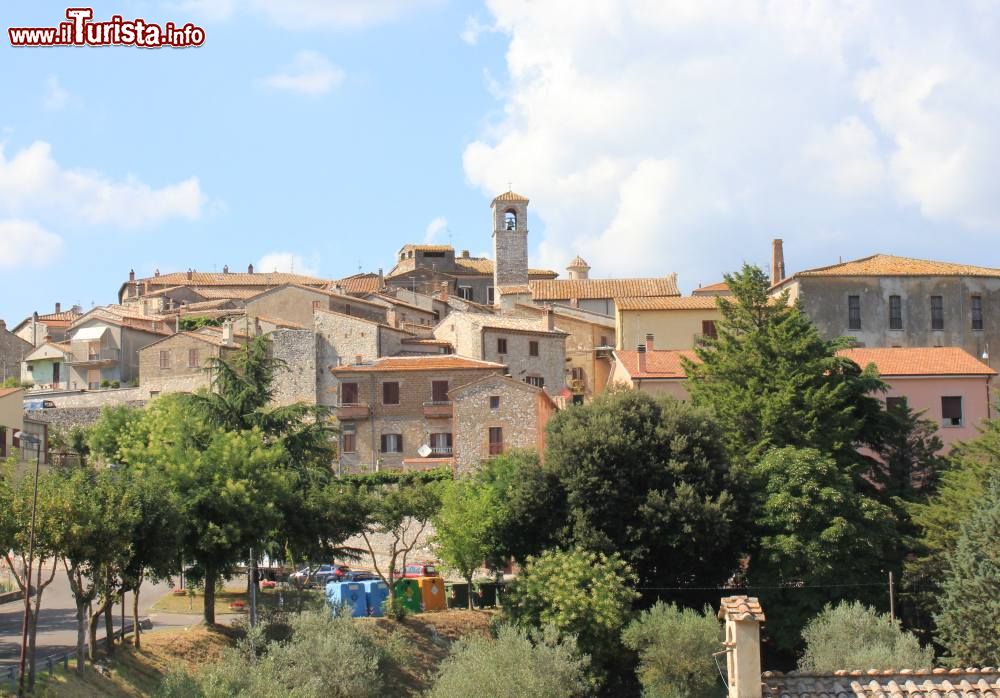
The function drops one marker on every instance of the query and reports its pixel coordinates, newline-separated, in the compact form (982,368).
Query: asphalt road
(57,620)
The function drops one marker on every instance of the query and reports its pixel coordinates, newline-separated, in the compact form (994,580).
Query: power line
(765,586)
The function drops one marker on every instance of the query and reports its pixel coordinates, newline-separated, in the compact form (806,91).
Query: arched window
(510,220)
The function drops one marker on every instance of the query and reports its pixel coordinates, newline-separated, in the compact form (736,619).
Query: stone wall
(550,363)
(297,381)
(510,247)
(93,398)
(13,349)
(517,416)
(339,339)
(65,418)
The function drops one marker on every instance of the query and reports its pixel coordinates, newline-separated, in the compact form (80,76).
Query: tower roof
(578,263)
(510,196)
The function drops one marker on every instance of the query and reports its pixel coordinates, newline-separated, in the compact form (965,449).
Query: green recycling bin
(458,594)
(484,594)
(408,593)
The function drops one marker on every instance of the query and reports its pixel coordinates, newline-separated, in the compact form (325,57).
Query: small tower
(510,240)
(578,268)
(743,616)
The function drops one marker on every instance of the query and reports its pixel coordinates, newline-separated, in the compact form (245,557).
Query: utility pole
(892,598)
(253,590)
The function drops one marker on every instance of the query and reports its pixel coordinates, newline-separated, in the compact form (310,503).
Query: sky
(652,136)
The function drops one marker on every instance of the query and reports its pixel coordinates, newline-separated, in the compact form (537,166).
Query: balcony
(352,411)
(441,452)
(438,410)
(104,357)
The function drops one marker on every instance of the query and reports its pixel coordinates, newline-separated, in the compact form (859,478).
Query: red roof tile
(432,362)
(667,303)
(660,363)
(919,361)
(889,265)
(568,289)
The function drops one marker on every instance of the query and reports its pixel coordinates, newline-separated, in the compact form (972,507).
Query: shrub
(854,636)
(116,384)
(105,383)
(675,649)
(517,663)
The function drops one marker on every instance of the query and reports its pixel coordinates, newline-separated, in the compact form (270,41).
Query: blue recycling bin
(377,592)
(349,595)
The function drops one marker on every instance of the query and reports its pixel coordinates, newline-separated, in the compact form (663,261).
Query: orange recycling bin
(432,593)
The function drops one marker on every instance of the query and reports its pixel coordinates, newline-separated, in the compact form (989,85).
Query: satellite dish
(424,451)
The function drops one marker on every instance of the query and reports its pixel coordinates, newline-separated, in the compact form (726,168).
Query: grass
(266,598)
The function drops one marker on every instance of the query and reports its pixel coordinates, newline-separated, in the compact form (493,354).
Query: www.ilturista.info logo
(81,31)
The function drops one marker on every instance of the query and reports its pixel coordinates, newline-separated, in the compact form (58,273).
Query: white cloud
(310,14)
(27,244)
(32,182)
(309,74)
(56,97)
(435,228)
(286,262)
(682,135)
(473,30)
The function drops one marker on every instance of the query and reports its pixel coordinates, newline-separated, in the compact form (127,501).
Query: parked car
(421,569)
(356,576)
(318,575)
(39,404)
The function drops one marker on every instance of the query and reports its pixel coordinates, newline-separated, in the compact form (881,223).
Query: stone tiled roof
(720,287)
(667,303)
(919,361)
(511,196)
(515,288)
(261,278)
(922,683)
(890,265)
(568,289)
(358,284)
(227,292)
(659,363)
(741,608)
(431,362)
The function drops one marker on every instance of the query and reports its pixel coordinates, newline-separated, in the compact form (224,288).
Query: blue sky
(651,137)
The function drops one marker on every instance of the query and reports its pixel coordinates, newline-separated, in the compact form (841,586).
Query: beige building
(104,347)
(11,417)
(50,327)
(651,370)
(295,303)
(676,322)
(496,414)
(397,412)
(176,288)
(180,362)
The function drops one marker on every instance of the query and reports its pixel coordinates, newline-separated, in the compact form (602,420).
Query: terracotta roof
(4,392)
(260,278)
(511,196)
(431,362)
(430,248)
(207,338)
(227,292)
(578,263)
(667,303)
(426,340)
(277,322)
(568,289)
(922,683)
(358,284)
(889,265)
(216,304)
(741,608)
(515,288)
(919,361)
(61,319)
(659,363)
(720,287)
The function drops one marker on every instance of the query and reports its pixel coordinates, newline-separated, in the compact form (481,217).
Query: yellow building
(675,323)
(11,417)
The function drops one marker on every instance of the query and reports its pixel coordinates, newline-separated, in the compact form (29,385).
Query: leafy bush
(386,477)
(105,383)
(854,636)
(675,649)
(517,663)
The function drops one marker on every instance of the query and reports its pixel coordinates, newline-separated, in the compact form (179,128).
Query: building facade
(13,350)
(46,368)
(181,362)
(675,322)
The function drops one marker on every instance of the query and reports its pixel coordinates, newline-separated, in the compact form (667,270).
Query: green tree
(518,663)
(462,526)
(647,479)
(812,532)
(851,635)
(773,381)
(908,456)
(583,594)
(675,647)
(968,623)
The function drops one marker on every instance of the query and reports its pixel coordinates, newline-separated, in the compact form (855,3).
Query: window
(392,443)
(576,373)
(165,358)
(441,444)
(194,358)
(854,312)
(708,329)
(578,399)
(536,381)
(390,393)
(350,443)
(533,348)
(937,313)
(465,292)
(490,295)
(895,313)
(510,220)
(494,402)
(496,441)
(348,393)
(439,391)
(951,410)
(977,312)
(501,345)
(892,404)
(604,340)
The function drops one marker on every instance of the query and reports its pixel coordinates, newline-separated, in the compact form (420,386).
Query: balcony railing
(438,410)
(109,356)
(352,411)
(441,451)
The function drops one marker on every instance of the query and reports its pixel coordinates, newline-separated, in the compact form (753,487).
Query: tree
(106,436)
(518,662)
(399,515)
(462,526)
(583,594)
(773,381)
(675,649)
(851,635)
(908,462)
(969,620)
(647,479)
(814,534)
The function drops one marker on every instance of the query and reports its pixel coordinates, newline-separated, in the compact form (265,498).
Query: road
(57,620)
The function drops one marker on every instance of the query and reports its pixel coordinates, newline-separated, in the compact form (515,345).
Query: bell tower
(510,240)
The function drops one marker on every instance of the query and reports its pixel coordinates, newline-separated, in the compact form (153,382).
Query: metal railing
(93,356)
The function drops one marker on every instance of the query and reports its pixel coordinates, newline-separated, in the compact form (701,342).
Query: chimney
(444,291)
(249,269)
(743,616)
(58,308)
(3,325)
(77,309)
(381,279)
(225,268)
(465,254)
(156,272)
(642,358)
(227,333)
(550,318)
(131,274)
(649,342)
(189,275)
(777,261)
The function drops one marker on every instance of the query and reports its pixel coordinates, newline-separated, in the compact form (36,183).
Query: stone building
(296,381)
(887,301)
(50,327)
(13,349)
(181,362)
(654,371)
(396,412)
(296,303)
(496,414)
(180,287)
(677,322)
(105,344)
(598,295)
